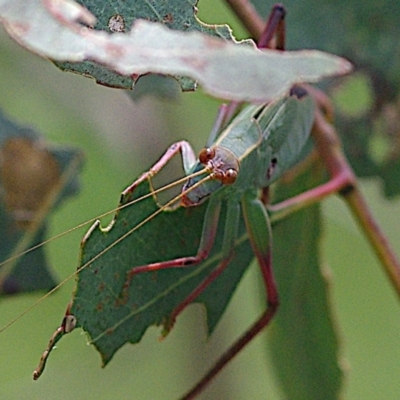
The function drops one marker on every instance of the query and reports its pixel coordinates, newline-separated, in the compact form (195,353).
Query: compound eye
(206,155)
(230,176)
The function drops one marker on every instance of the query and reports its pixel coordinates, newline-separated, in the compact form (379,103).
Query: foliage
(35,178)
(301,313)
(367,36)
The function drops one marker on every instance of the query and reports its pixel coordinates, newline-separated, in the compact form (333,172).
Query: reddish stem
(248,16)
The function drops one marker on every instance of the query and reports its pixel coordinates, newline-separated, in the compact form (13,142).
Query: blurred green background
(120,140)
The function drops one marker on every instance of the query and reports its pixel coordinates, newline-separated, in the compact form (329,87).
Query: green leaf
(142,234)
(365,35)
(224,69)
(178,15)
(98,305)
(34,178)
(302,339)
(368,37)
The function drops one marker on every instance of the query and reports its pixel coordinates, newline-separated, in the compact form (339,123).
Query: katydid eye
(229,177)
(206,155)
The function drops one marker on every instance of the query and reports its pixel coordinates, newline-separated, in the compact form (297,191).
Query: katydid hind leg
(342,178)
(209,231)
(230,234)
(274,28)
(259,231)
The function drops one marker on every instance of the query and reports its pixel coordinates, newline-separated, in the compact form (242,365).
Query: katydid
(251,153)
(240,161)
(260,144)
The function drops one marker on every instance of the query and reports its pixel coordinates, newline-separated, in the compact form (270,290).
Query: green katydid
(255,140)
(251,153)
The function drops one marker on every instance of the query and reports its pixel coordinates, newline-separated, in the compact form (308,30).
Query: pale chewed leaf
(228,70)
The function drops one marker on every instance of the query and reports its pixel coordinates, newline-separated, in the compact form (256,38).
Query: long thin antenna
(150,194)
(120,239)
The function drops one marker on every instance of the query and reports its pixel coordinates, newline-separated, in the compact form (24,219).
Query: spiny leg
(209,231)
(342,178)
(230,234)
(220,121)
(343,181)
(207,240)
(273,29)
(259,230)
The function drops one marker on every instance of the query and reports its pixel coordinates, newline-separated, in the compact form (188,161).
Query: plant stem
(330,150)
(248,16)
(344,182)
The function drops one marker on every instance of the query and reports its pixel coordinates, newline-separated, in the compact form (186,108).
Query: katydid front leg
(344,182)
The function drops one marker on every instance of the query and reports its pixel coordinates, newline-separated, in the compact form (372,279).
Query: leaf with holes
(224,69)
(34,178)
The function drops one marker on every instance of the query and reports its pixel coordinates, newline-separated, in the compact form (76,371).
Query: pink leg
(210,226)
(256,223)
(342,179)
(193,295)
(344,183)
(274,28)
(208,236)
(188,159)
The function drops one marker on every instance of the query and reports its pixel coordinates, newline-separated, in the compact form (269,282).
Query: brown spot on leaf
(168,19)
(28,173)
(115,51)
(116,23)
(196,63)
(119,302)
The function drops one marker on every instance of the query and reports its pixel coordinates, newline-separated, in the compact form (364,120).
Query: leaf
(34,178)
(368,37)
(224,69)
(177,15)
(114,312)
(365,35)
(98,306)
(303,340)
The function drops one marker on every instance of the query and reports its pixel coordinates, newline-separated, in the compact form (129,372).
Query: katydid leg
(343,182)
(259,231)
(206,242)
(188,160)
(230,234)
(220,121)
(274,28)
(289,206)
(342,177)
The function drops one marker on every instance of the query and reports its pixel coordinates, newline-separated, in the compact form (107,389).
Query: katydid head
(222,168)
